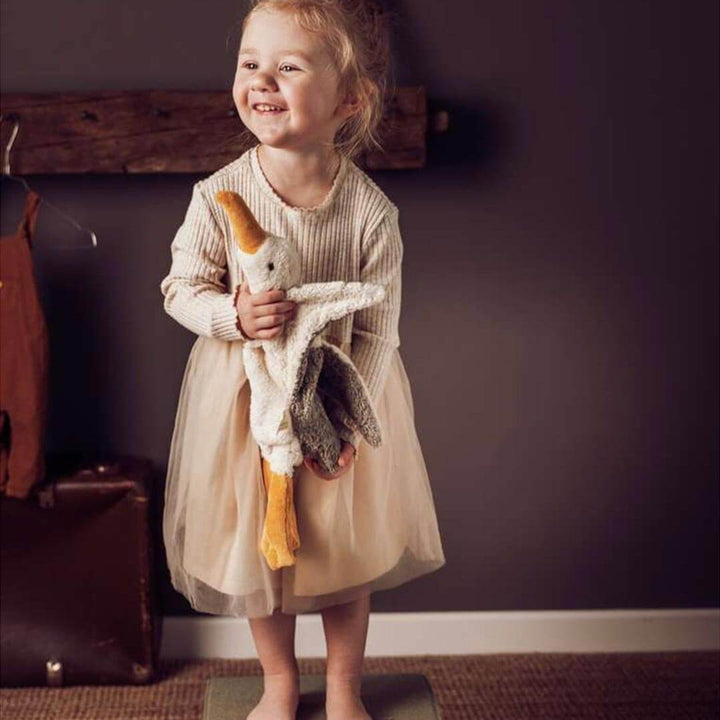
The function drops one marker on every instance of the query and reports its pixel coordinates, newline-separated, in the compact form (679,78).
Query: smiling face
(284,65)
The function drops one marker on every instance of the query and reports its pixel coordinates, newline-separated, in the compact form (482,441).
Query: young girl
(309,85)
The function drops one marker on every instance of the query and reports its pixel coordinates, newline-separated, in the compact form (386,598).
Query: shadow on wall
(478,140)
(481,133)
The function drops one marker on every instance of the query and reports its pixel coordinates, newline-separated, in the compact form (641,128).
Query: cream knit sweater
(352,235)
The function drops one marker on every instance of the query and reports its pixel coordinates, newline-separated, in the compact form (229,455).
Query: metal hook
(8,147)
(6,171)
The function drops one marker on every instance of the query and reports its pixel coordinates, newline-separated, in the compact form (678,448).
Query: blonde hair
(357,36)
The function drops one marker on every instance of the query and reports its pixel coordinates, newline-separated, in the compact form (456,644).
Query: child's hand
(263,314)
(346,459)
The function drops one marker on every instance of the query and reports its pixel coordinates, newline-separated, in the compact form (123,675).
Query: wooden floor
(539,686)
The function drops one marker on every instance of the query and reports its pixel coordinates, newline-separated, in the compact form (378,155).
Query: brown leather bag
(78,601)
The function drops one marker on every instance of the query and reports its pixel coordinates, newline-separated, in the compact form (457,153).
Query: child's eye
(252,63)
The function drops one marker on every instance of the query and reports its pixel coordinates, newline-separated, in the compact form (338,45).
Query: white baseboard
(465,633)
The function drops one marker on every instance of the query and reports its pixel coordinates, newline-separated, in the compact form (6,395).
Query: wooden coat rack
(168,131)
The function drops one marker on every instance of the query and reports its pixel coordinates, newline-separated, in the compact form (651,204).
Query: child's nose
(263,80)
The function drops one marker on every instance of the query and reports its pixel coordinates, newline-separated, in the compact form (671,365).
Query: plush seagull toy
(306,394)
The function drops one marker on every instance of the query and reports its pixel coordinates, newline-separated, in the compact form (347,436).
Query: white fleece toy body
(272,365)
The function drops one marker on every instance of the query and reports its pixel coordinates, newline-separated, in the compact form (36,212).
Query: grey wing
(345,396)
(311,424)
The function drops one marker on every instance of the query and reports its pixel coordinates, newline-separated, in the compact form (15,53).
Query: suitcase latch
(54,673)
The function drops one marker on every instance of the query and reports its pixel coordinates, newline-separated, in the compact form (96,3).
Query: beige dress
(371,529)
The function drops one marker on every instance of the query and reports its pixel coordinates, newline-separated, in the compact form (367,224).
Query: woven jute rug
(539,686)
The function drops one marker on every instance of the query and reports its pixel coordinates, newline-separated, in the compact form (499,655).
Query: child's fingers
(314,466)
(270,321)
(268,333)
(342,468)
(347,454)
(275,308)
(267,297)
(264,320)
(270,316)
(269,302)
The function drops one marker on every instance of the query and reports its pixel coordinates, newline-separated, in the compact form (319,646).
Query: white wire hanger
(6,173)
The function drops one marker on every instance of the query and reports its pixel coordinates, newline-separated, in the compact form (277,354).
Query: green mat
(386,697)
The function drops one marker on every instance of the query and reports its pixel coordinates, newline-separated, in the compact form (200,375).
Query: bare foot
(342,698)
(281,695)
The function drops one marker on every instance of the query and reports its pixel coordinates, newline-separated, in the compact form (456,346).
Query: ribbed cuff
(225,323)
(237,316)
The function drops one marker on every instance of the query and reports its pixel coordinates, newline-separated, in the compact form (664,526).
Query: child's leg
(274,639)
(345,634)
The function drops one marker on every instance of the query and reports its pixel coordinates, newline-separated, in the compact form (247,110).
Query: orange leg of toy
(291,517)
(280,535)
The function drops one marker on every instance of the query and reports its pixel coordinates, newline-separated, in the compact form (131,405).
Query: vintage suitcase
(78,594)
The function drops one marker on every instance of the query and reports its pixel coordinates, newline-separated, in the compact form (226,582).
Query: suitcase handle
(46,493)
(110,468)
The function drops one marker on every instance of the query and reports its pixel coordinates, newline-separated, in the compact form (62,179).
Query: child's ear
(349,105)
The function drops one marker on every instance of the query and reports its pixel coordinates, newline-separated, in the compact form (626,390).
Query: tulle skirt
(373,528)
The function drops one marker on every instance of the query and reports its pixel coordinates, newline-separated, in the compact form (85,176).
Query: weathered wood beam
(167,131)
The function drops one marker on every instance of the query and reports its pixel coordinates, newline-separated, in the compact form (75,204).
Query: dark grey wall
(560,309)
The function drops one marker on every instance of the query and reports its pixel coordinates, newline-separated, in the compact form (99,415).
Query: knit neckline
(268,189)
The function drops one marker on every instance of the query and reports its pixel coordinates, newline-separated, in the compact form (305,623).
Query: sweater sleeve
(194,291)
(375,329)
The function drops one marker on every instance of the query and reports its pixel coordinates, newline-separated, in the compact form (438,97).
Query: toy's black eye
(271,266)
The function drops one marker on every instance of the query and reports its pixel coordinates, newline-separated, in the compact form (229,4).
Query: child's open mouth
(268,109)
